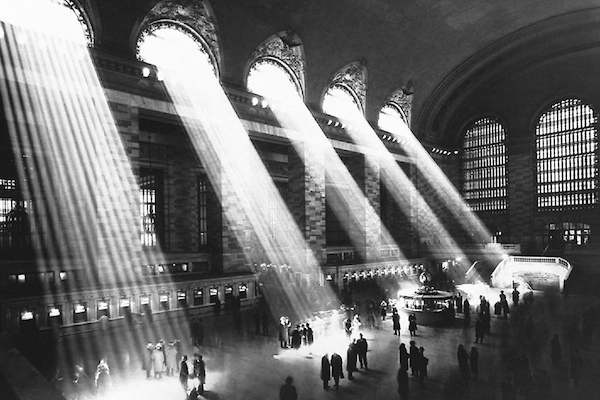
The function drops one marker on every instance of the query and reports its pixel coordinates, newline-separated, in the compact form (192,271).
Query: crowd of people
(294,338)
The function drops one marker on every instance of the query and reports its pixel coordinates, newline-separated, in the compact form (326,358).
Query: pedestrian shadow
(375,372)
(209,395)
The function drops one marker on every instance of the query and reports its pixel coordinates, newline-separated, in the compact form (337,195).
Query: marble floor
(252,367)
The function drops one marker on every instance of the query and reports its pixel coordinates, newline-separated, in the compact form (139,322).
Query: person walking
(200,373)
(515,297)
(351,360)
(309,335)
(325,371)
(102,377)
(336,369)
(479,331)
(396,322)
(474,358)
(412,324)
(184,373)
(361,348)
(383,309)
(403,357)
(402,379)
(463,361)
(288,390)
(467,312)
(422,362)
(413,355)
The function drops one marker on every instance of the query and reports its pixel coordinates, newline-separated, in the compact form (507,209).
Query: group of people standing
(301,335)
(332,367)
(413,358)
(468,364)
(198,372)
(161,358)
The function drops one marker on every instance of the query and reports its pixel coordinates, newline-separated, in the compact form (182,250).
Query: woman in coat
(325,371)
(351,358)
(396,323)
(403,357)
(412,324)
(336,369)
(158,361)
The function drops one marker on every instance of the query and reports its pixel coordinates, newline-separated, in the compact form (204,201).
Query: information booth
(430,306)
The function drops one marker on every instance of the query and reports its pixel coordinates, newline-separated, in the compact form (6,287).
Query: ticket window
(27,320)
(55,315)
(163,301)
(228,294)
(145,305)
(243,291)
(181,298)
(198,297)
(80,312)
(124,306)
(103,309)
(213,295)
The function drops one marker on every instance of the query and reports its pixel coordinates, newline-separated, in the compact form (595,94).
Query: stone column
(307,198)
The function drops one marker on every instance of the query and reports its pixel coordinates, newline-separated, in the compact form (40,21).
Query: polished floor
(247,366)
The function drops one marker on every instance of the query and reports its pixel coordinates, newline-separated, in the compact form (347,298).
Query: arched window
(158,40)
(566,147)
(391,119)
(484,160)
(270,77)
(78,22)
(341,102)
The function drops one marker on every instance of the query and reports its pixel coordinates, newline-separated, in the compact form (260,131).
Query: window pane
(484,160)
(566,142)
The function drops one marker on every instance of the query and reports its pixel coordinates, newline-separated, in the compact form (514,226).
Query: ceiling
(433,43)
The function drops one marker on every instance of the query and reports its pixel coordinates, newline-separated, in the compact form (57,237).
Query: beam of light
(398,184)
(246,191)
(72,167)
(445,190)
(352,208)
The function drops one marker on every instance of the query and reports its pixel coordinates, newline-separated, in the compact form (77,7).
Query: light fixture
(264,103)
(145,72)
(254,101)
(329,122)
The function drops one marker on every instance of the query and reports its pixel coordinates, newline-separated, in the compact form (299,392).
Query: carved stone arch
(352,77)
(403,101)
(197,15)
(287,48)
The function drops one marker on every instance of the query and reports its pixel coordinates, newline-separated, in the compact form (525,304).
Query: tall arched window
(567,163)
(270,77)
(158,40)
(79,23)
(391,119)
(484,160)
(341,102)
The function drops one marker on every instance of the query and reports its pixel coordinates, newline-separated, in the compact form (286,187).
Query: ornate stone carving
(82,17)
(196,14)
(404,102)
(278,46)
(354,77)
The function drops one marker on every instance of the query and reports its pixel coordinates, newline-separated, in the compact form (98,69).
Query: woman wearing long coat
(396,323)
(351,358)
(336,369)
(158,361)
(403,357)
(325,371)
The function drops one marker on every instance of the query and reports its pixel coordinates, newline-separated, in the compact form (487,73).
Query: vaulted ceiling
(441,46)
